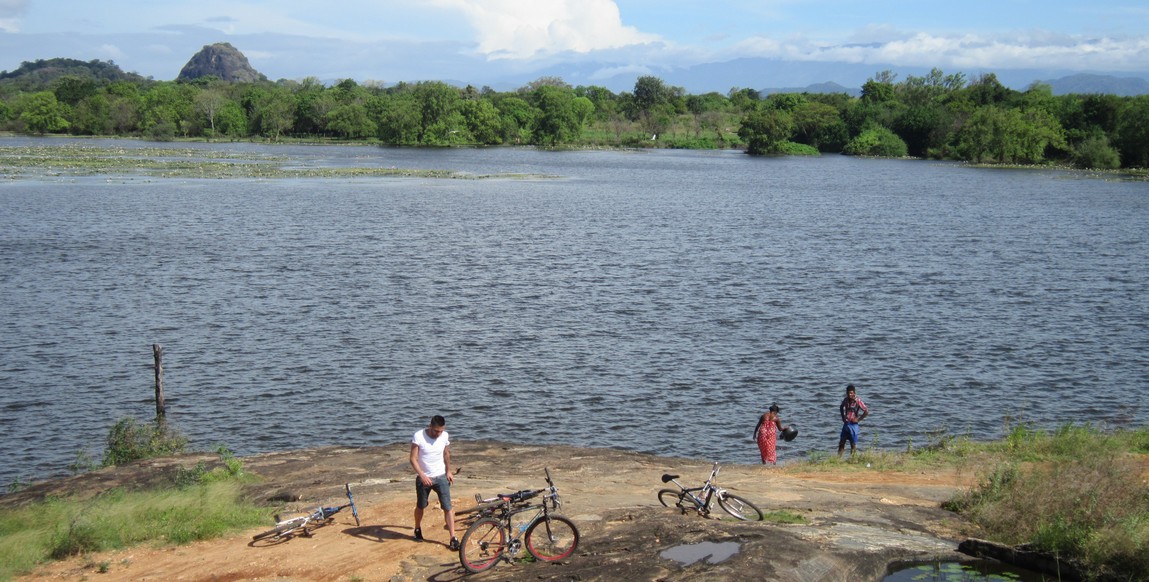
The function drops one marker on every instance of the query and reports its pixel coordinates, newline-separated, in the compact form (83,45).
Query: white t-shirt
(431,453)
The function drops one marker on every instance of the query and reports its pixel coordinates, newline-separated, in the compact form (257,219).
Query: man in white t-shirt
(431,459)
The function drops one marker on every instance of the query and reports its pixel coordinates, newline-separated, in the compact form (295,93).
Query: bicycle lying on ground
(305,524)
(699,498)
(548,537)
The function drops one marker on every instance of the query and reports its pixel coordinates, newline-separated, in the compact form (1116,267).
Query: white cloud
(522,29)
(611,72)
(111,52)
(1034,49)
(10,11)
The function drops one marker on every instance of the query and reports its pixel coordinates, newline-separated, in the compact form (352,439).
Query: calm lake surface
(650,301)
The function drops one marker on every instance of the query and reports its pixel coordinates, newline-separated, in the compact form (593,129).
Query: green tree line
(935,116)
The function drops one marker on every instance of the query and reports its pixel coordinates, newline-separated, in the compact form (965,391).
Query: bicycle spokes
(552,538)
(483,544)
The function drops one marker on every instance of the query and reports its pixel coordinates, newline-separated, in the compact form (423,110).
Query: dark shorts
(440,485)
(850,433)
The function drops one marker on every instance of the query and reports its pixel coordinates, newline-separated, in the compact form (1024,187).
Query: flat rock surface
(857,521)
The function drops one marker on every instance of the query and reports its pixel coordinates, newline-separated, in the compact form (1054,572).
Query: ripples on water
(654,301)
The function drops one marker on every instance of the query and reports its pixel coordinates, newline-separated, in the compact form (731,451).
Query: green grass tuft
(783,516)
(1075,492)
(59,528)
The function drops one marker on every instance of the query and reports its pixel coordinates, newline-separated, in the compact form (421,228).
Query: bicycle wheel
(282,529)
(739,507)
(483,544)
(552,539)
(671,498)
(265,535)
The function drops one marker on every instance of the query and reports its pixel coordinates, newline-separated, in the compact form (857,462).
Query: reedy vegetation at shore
(55,160)
(936,115)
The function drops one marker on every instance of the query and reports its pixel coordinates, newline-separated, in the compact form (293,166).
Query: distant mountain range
(774,76)
(1081,84)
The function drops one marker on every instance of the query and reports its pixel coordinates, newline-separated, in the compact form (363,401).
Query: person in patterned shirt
(853,410)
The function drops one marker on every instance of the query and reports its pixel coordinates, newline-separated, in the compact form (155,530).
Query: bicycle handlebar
(521,495)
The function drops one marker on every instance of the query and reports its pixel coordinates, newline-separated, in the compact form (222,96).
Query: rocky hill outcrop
(223,61)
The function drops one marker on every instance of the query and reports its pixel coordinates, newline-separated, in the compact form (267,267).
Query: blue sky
(479,40)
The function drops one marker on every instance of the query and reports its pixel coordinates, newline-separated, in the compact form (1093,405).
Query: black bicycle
(547,536)
(699,498)
(303,525)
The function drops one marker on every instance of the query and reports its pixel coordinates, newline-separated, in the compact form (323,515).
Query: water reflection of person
(766,433)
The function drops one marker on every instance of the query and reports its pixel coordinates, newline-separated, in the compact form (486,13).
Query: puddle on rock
(712,552)
(970,571)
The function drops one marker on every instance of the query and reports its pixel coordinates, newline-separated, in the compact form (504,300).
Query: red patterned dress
(767,437)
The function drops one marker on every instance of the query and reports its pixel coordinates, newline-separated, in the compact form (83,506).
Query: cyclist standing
(431,459)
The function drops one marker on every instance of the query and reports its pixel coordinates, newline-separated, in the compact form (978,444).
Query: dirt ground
(604,492)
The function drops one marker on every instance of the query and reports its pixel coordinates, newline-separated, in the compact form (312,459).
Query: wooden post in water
(158,353)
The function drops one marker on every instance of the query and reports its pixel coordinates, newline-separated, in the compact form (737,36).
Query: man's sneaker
(418,535)
(454,546)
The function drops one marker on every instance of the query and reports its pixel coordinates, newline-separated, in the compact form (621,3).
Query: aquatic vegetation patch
(83,160)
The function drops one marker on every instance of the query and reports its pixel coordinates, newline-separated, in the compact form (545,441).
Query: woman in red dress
(766,433)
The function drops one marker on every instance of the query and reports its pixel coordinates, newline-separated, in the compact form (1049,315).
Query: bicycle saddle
(667,477)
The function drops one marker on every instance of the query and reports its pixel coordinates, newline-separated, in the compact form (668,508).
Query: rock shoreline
(857,522)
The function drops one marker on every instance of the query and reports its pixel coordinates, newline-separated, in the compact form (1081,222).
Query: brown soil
(610,494)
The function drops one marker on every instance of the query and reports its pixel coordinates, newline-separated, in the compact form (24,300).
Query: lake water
(650,301)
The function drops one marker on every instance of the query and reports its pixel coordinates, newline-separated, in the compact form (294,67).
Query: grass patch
(783,516)
(941,451)
(59,528)
(1076,492)
(199,503)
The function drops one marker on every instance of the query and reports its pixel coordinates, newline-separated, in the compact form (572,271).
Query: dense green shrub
(877,141)
(1096,153)
(798,149)
(130,440)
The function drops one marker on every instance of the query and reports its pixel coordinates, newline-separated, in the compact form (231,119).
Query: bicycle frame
(701,499)
(508,508)
(304,524)
(542,512)
(705,493)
